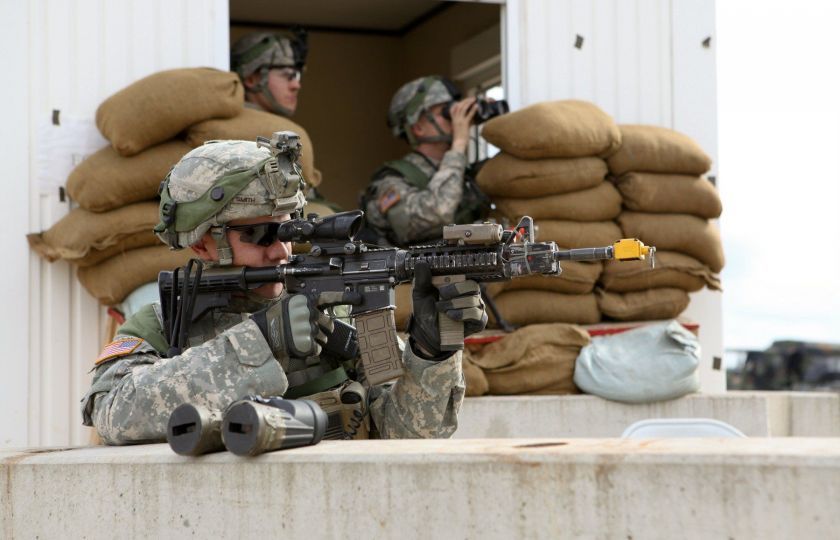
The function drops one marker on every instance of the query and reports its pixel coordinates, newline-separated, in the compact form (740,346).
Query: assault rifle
(337,262)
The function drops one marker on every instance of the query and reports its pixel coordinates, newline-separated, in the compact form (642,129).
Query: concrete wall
(756,414)
(522,488)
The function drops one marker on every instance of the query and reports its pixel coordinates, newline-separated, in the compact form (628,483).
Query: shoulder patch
(387,200)
(118,347)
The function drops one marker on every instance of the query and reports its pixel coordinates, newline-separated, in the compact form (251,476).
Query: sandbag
(80,231)
(672,270)
(106,180)
(158,107)
(508,176)
(670,193)
(134,241)
(576,278)
(249,124)
(536,359)
(577,234)
(112,280)
(651,363)
(521,307)
(599,203)
(676,232)
(474,376)
(567,128)
(649,305)
(659,150)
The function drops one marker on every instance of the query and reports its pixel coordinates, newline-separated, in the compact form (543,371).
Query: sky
(778,74)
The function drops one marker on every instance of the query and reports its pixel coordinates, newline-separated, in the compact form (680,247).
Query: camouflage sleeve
(424,402)
(414,214)
(131,398)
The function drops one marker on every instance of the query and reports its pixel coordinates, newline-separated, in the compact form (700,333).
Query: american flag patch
(388,199)
(119,347)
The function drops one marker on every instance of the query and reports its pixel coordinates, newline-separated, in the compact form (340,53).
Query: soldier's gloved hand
(294,327)
(459,301)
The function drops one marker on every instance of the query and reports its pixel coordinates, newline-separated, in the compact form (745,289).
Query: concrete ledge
(757,414)
(527,488)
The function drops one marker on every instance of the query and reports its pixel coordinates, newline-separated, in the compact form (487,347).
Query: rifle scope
(336,227)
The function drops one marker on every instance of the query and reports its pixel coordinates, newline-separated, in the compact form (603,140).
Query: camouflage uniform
(226,356)
(407,213)
(411,199)
(132,396)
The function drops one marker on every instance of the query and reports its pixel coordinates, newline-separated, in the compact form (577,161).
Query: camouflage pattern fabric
(202,168)
(408,214)
(253,51)
(132,396)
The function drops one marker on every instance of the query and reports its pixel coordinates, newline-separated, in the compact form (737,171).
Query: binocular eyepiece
(484,109)
(248,427)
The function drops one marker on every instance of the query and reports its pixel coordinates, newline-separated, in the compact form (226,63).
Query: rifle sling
(324,382)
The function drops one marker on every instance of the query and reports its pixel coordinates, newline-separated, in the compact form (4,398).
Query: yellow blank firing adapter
(633,249)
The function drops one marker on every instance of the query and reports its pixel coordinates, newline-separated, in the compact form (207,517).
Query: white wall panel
(695,113)
(641,61)
(623,62)
(14,209)
(72,55)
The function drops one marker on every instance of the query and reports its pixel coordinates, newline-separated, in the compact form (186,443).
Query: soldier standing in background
(270,67)
(224,200)
(410,199)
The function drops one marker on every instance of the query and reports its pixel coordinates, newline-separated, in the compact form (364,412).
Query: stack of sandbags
(536,359)
(551,168)
(109,237)
(668,203)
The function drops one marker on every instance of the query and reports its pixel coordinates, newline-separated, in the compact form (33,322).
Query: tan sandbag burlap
(521,307)
(138,240)
(568,129)
(576,278)
(676,232)
(106,180)
(158,107)
(81,231)
(536,359)
(508,176)
(473,376)
(577,234)
(112,280)
(657,149)
(672,269)
(670,194)
(249,124)
(649,305)
(599,203)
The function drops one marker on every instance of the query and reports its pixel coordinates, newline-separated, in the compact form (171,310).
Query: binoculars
(248,427)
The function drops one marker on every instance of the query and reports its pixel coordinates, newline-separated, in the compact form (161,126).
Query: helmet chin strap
(442,136)
(223,247)
(262,88)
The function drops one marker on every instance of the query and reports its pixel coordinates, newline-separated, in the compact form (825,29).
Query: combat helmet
(413,100)
(260,52)
(221,181)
